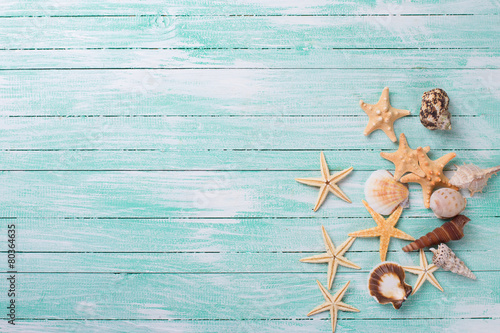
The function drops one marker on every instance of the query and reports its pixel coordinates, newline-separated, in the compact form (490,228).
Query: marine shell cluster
(445,258)
(434,112)
(447,203)
(387,284)
(472,177)
(384,194)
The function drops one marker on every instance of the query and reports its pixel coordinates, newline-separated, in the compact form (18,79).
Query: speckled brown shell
(447,203)
(375,280)
(434,112)
(445,258)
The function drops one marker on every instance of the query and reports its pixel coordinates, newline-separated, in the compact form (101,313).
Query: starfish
(333,303)
(384,229)
(434,175)
(382,115)
(326,183)
(424,272)
(333,256)
(405,159)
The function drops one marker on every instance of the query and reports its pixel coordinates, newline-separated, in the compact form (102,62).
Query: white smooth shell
(383,193)
(447,203)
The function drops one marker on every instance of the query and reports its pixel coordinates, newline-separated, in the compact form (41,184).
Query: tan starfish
(333,256)
(333,304)
(424,272)
(434,176)
(385,229)
(326,183)
(405,159)
(382,115)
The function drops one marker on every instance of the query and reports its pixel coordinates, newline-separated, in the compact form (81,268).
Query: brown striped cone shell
(451,230)
(387,284)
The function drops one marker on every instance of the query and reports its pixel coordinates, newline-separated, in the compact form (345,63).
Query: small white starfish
(327,183)
(333,256)
(333,304)
(424,272)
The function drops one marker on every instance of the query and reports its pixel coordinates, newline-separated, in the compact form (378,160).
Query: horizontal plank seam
(177,170)
(204,272)
(220,116)
(239,68)
(246,319)
(204,48)
(245,15)
(209,218)
(224,149)
(213,252)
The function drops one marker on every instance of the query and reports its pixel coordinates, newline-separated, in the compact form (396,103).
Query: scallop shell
(447,203)
(387,284)
(384,194)
(445,258)
(472,177)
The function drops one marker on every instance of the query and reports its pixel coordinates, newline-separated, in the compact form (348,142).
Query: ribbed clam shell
(447,203)
(383,193)
(387,284)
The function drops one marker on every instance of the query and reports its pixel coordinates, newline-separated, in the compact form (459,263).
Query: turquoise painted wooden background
(148,151)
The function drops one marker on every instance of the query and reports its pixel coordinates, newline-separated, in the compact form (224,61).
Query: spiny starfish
(326,183)
(382,115)
(333,256)
(385,229)
(405,159)
(424,272)
(333,303)
(434,176)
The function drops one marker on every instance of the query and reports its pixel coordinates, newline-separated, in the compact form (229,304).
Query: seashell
(447,260)
(451,230)
(387,284)
(434,112)
(384,194)
(472,177)
(447,203)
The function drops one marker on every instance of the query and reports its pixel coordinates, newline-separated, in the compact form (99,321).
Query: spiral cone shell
(445,258)
(472,177)
(384,194)
(387,284)
(447,203)
(451,230)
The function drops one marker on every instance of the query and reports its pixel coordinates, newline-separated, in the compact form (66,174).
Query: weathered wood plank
(243,58)
(246,132)
(238,91)
(194,194)
(231,235)
(454,325)
(223,160)
(303,32)
(239,296)
(215,263)
(232,7)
